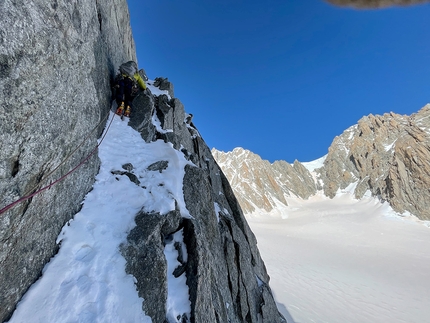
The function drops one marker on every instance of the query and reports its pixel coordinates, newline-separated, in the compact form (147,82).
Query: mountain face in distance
(387,156)
(261,186)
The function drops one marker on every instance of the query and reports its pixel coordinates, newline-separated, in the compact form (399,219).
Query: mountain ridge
(56,96)
(386,155)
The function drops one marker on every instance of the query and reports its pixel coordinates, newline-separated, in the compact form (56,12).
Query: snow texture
(346,260)
(330,260)
(86,281)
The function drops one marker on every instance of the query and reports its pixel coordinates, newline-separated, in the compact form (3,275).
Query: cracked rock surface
(56,62)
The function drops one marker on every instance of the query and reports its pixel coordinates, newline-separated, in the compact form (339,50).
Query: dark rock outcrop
(225,274)
(146,261)
(56,62)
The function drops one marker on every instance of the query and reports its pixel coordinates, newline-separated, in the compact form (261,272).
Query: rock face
(388,156)
(259,185)
(362,4)
(56,62)
(226,276)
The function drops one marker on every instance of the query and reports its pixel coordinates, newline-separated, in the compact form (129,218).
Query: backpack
(129,68)
(115,84)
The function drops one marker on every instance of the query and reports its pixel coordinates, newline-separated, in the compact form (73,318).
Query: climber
(126,83)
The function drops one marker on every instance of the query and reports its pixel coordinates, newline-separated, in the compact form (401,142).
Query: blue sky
(283,78)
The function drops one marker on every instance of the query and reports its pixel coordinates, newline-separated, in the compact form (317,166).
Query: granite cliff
(57,61)
(226,276)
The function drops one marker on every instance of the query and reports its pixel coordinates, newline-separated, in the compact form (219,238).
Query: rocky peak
(261,186)
(386,155)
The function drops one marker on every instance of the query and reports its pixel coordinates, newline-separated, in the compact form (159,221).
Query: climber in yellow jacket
(127,79)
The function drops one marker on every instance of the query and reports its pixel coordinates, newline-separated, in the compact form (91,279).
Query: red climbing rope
(6,208)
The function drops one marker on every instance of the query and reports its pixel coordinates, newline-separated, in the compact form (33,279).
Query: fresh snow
(177,289)
(317,163)
(346,260)
(330,260)
(86,281)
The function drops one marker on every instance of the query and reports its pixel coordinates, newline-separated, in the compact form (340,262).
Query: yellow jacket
(140,81)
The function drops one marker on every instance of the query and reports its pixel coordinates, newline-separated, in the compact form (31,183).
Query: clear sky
(283,78)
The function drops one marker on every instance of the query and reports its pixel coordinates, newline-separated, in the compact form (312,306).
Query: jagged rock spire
(226,276)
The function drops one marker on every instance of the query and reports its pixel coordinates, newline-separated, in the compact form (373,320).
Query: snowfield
(86,281)
(346,261)
(330,261)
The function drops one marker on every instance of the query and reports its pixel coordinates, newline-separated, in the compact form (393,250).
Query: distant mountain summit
(261,186)
(387,156)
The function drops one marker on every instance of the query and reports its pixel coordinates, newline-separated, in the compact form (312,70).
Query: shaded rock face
(56,62)
(261,185)
(225,274)
(362,4)
(389,156)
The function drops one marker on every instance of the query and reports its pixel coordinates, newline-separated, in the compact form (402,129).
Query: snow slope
(86,281)
(339,260)
(345,260)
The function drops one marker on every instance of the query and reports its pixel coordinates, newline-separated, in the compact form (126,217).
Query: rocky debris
(362,4)
(56,62)
(164,85)
(130,176)
(158,166)
(259,184)
(225,274)
(128,167)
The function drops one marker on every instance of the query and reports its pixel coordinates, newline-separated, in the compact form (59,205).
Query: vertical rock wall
(56,62)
